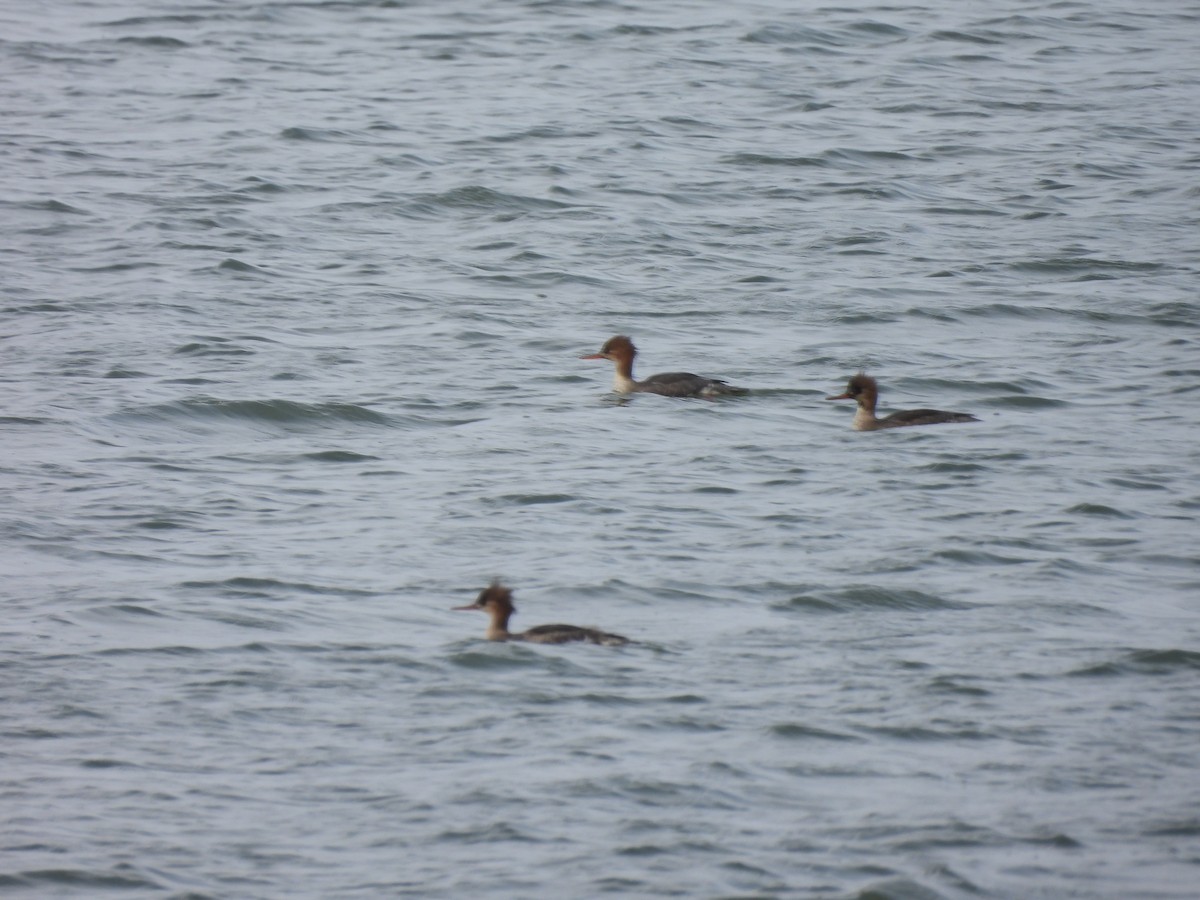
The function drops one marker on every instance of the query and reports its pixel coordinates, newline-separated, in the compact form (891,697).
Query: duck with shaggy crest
(620,352)
(496,601)
(865,389)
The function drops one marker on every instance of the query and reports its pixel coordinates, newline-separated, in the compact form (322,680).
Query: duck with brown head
(865,390)
(620,352)
(496,601)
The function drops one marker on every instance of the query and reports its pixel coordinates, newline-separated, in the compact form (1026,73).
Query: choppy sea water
(293,300)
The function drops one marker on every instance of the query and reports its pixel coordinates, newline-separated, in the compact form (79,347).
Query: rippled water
(293,300)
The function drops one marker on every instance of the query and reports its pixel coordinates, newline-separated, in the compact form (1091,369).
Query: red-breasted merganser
(865,390)
(496,601)
(620,351)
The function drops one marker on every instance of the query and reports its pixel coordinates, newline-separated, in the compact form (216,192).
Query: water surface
(294,295)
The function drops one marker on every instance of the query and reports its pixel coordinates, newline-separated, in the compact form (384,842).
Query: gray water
(293,300)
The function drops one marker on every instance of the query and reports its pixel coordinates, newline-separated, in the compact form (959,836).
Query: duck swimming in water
(496,601)
(620,351)
(865,389)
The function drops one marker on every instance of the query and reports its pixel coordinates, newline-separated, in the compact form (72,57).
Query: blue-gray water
(293,300)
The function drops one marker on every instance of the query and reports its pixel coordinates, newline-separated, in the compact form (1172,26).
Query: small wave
(1000,310)
(1176,314)
(120,371)
(126,609)
(41,306)
(161,41)
(1074,265)
(471,198)
(1098,509)
(479,197)
(106,763)
(256,185)
(115,267)
(923,733)
(213,347)
(868,157)
(951,468)
(495,832)
(340,456)
(171,650)
(838,158)
(1145,662)
(976,209)
(538,132)
(532,499)
(796,731)
(883,29)
(298,133)
(535,280)
(265,588)
(56,206)
(478,660)
(58,880)
(286,413)
(1023,402)
(644,30)
(867,597)
(856,240)
(867,33)
(1141,484)
(947,685)
(762,159)
(964,37)
(216,346)
(1187,828)
(236,265)
(898,889)
(136,21)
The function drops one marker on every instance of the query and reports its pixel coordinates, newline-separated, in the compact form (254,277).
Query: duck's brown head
(859,387)
(493,597)
(615,348)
